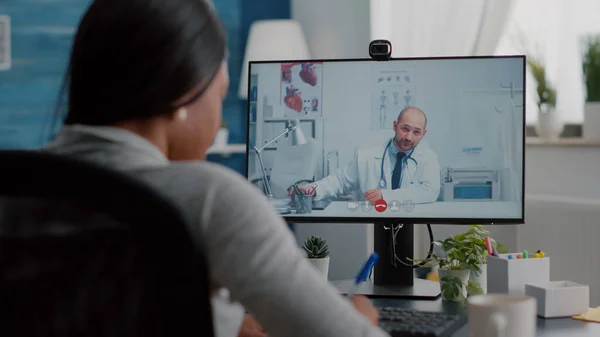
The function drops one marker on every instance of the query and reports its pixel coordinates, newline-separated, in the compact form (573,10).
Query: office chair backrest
(87,251)
(292,164)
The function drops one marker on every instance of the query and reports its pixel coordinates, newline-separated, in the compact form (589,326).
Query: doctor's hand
(373,195)
(306,189)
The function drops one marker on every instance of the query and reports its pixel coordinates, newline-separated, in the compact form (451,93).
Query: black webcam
(380,50)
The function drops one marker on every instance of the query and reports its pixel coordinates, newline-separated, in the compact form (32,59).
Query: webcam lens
(381,48)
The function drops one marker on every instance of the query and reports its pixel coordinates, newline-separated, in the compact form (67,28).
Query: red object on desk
(488,243)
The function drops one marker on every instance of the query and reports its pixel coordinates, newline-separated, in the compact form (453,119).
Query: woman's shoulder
(198,180)
(205,169)
(195,174)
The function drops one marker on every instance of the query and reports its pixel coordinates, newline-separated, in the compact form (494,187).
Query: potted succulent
(317,253)
(549,125)
(222,136)
(591,72)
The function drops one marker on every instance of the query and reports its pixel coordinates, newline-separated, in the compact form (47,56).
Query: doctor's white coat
(421,180)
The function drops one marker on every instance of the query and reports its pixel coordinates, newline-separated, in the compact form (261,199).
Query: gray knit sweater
(253,257)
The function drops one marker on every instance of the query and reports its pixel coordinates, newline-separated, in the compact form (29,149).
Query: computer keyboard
(399,322)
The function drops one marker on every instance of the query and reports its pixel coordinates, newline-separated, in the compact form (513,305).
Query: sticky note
(590,316)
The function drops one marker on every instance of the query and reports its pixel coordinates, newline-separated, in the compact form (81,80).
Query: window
(553,30)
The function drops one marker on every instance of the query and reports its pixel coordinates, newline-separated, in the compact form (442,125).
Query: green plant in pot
(549,125)
(455,267)
(591,67)
(476,237)
(545,92)
(591,74)
(317,253)
(463,263)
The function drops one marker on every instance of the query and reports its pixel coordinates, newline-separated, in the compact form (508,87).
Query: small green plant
(545,91)
(591,67)
(474,288)
(451,287)
(466,251)
(475,237)
(315,247)
(459,257)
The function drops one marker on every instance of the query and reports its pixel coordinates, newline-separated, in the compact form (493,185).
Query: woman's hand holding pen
(363,305)
(251,328)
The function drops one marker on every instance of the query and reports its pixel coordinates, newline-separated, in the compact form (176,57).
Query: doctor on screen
(402,169)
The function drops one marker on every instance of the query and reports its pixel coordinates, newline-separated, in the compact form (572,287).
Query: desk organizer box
(559,298)
(531,277)
(505,276)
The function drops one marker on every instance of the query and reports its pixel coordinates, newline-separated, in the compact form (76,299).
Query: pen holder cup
(509,276)
(303,203)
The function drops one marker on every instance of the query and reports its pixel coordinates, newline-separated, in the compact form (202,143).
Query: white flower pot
(221,138)
(322,266)
(549,125)
(463,275)
(482,278)
(591,121)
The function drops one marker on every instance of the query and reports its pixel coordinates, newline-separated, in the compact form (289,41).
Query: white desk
(463,209)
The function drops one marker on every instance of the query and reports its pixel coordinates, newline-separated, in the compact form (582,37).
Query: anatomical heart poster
(302,89)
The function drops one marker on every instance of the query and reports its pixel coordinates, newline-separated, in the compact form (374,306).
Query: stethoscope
(382,180)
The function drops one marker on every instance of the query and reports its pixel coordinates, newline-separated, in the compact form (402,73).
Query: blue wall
(233,108)
(238,15)
(42,33)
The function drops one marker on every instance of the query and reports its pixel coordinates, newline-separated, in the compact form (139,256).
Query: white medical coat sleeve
(425,191)
(342,182)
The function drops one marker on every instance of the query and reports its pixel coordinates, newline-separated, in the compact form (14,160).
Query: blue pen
(364,273)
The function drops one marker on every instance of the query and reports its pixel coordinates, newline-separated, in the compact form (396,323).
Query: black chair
(88,251)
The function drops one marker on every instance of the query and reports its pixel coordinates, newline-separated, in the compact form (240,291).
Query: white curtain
(552,29)
(439,28)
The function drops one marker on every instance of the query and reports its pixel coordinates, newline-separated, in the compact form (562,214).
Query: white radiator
(568,231)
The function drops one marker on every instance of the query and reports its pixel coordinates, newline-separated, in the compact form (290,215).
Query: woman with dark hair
(145,85)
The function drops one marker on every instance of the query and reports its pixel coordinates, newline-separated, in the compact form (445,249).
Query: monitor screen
(420,140)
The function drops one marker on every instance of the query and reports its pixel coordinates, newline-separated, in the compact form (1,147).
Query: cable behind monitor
(395,260)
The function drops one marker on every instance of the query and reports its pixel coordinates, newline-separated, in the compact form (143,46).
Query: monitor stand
(394,281)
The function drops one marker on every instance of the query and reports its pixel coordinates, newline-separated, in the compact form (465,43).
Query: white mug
(498,315)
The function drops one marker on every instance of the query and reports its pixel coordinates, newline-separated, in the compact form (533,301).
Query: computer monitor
(403,141)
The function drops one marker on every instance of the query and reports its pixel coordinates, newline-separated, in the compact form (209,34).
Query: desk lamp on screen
(436,140)
(293,129)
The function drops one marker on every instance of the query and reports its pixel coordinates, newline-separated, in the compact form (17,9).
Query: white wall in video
(438,138)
